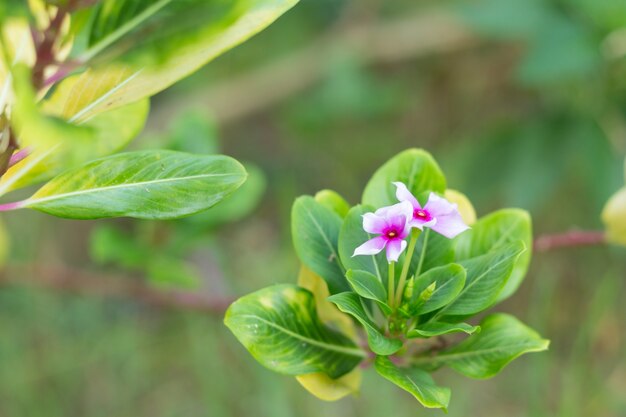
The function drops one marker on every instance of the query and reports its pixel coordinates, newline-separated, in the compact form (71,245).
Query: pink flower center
(422,215)
(392,234)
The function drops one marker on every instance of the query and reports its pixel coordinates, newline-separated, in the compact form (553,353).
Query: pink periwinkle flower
(438,213)
(393,225)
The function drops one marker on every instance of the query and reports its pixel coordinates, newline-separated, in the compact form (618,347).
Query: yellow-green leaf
(327,389)
(614,218)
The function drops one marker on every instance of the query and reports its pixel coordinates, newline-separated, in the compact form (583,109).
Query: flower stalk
(391,282)
(415,233)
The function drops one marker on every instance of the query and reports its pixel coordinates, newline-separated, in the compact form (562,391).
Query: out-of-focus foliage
(120,53)
(161,251)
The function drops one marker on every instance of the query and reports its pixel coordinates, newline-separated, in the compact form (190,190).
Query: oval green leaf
(315,232)
(416,168)
(369,286)
(144,184)
(486,276)
(437,329)
(494,231)
(350,303)
(449,281)
(415,381)
(502,338)
(279,326)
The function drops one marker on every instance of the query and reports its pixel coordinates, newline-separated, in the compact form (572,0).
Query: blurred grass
(503,141)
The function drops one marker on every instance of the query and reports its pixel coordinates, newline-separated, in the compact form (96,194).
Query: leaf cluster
(451,280)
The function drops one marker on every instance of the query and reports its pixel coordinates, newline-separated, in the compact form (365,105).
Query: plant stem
(545,243)
(424,245)
(19,156)
(415,233)
(391,281)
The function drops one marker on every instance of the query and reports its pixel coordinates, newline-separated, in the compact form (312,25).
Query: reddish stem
(573,238)
(11,206)
(18,156)
(86,283)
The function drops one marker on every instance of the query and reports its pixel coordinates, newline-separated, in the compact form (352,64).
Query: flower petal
(403,194)
(371,247)
(450,225)
(403,208)
(373,223)
(394,249)
(421,225)
(438,206)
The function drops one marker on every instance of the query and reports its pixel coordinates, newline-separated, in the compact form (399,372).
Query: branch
(574,238)
(86,283)
(63,279)
(397,40)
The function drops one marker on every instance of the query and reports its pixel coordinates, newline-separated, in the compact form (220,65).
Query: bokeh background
(523,103)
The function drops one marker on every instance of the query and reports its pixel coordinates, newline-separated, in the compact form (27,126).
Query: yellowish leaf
(325,388)
(614,217)
(328,313)
(109,86)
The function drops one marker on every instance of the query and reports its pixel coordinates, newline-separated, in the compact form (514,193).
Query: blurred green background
(523,103)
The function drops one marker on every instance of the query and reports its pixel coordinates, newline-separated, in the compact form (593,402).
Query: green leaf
(437,329)
(144,184)
(502,338)
(279,326)
(333,201)
(234,207)
(350,303)
(437,250)
(137,48)
(351,236)
(495,231)
(448,280)
(486,276)
(315,232)
(416,381)
(368,286)
(416,168)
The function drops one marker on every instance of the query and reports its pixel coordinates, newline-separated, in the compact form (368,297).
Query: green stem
(421,262)
(391,283)
(415,233)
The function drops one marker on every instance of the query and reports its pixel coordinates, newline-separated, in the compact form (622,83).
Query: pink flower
(438,213)
(393,225)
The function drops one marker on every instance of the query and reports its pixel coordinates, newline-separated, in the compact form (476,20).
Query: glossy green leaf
(437,329)
(315,232)
(333,201)
(350,303)
(493,232)
(502,338)
(144,184)
(448,282)
(486,276)
(416,381)
(435,249)
(416,168)
(130,60)
(279,326)
(234,207)
(351,236)
(368,286)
